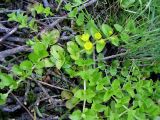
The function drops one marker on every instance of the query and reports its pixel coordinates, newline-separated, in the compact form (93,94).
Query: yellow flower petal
(88,45)
(97,36)
(85,37)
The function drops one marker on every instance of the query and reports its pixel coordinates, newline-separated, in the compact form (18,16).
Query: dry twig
(13,51)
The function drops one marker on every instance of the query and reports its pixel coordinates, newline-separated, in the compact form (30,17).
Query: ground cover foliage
(79,59)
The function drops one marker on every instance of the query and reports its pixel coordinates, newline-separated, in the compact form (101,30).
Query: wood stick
(13,51)
(112,56)
(9,34)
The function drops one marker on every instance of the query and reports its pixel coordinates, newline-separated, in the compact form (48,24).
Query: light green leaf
(80,19)
(107,30)
(98,107)
(100,45)
(74,50)
(73,13)
(127,3)
(124,37)
(40,49)
(122,101)
(129,89)
(48,62)
(114,40)
(58,55)
(68,7)
(7,81)
(3,98)
(130,26)
(82,62)
(26,65)
(79,94)
(113,71)
(118,27)
(66,95)
(16,70)
(115,84)
(79,40)
(107,95)
(76,115)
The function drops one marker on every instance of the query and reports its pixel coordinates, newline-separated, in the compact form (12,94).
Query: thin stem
(84,87)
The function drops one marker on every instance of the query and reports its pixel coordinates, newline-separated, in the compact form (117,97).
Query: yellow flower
(97,36)
(85,37)
(110,32)
(88,45)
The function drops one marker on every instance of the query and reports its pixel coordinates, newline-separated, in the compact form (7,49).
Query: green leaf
(40,64)
(40,49)
(89,94)
(129,89)
(108,95)
(113,71)
(72,103)
(89,114)
(47,11)
(33,57)
(26,65)
(80,19)
(74,50)
(124,72)
(98,107)
(114,40)
(33,25)
(68,7)
(82,62)
(78,2)
(130,26)
(107,30)
(7,81)
(39,8)
(122,101)
(100,45)
(79,94)
(66,95)
(48,62)
(73,13)
(79,40)
(39,71)
(58,55)
(50,38)
(17,70)
(127,3)
(124,37)
(115,84)
(3,98)
(100,87)
(76,115)
(118,27)
(12,16)
(131,114)
(92,28)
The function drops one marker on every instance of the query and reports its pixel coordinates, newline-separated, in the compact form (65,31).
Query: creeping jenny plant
(109,90)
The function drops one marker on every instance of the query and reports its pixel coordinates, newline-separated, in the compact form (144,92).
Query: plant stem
(84,102)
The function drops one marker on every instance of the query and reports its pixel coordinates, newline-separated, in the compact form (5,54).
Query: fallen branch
(9,34)
(4,29)
(22,105)
(16,39)
(112,56)
(13,51)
